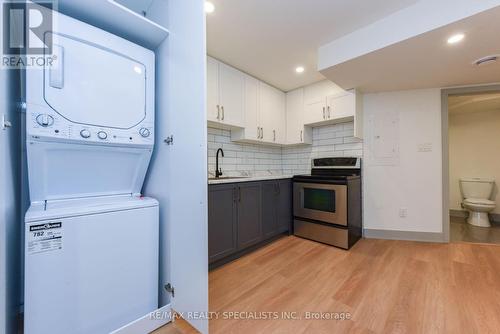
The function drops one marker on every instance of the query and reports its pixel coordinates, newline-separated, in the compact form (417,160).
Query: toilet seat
(479,202)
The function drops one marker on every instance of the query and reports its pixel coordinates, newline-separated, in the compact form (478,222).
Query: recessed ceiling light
(209,7)
(456,38)
(299,69)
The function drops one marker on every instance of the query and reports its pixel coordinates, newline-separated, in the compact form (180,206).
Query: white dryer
(91,240)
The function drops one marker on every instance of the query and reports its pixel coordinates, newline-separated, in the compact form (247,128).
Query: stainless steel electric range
(327,203)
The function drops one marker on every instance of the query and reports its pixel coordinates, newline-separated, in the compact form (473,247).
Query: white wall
(474,150)
(414,180)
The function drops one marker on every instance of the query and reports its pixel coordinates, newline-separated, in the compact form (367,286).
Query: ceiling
(462,104)
(427,60)
(270,38)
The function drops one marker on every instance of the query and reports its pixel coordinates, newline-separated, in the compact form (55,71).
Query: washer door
(89,84)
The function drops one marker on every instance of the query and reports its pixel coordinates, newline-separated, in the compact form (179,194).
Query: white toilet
(476,193)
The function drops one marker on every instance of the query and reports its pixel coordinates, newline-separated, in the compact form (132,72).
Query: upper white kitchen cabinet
(272,114)
(251,130)
(345,107)
(296,132)
(225,95)
(315,100)
(264,114)
(326,103)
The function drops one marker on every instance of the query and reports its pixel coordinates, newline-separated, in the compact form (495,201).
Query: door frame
(445,94)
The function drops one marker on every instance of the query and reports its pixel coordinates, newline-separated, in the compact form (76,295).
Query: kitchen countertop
(249,179)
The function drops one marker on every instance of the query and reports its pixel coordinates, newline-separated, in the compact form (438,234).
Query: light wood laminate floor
(385,286)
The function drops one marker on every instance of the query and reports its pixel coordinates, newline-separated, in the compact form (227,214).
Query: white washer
(91,253)
(90,267)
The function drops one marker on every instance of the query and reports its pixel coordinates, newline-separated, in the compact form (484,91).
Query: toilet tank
(476,187)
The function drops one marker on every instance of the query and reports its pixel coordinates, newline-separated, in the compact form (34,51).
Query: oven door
(323,202)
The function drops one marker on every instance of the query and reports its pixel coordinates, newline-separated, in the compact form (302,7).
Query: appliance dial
(44,120)
(102,135)
(85,133)
(144,132)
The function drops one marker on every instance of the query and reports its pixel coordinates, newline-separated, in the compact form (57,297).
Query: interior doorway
(471,164)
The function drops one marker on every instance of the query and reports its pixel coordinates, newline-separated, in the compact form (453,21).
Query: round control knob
(44,120)
(102,135)
(144,132)
(85,133)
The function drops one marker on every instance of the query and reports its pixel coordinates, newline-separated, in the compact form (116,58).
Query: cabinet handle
(329,112)
(274,135)
(261,133)
(239,194)
(324,114)
(218,112)
(222,112)
(301,135)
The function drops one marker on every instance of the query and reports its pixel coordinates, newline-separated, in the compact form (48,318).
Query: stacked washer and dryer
(91,239)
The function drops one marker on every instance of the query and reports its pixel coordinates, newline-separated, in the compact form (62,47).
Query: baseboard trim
(458,213)
(494,217)
(147,323)
(404,235)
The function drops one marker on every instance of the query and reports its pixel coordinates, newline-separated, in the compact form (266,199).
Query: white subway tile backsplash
(255,160)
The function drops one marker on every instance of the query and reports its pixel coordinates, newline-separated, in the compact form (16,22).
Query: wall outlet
(403,212)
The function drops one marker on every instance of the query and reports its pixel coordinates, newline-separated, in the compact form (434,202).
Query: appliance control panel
(46,123)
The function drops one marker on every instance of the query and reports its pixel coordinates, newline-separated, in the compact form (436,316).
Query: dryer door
(90,84)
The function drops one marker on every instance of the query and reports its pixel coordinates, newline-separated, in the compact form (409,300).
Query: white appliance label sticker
(45,237)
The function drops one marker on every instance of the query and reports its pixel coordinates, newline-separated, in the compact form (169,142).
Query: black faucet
(218,171)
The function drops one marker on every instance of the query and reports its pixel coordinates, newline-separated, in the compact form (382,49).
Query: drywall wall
(409,181)
(474,148)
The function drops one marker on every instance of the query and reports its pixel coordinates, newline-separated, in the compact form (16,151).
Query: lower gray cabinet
(269,217)
(222,233)
(276,207)
(241,215)
(249,215)
(284,215)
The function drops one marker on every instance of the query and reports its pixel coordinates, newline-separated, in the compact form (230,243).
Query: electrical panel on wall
(383,139)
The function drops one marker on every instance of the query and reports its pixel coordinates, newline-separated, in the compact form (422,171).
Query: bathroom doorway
(472,162)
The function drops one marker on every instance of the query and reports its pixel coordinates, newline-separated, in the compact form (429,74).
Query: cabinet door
(231,95)
(221,221)
(284,205)
(269,218)
(252,116)
(249,214)
(315,110)
(213,112)
(341,105)
(272,108)
(315,100)
(280,119)
(294,116)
